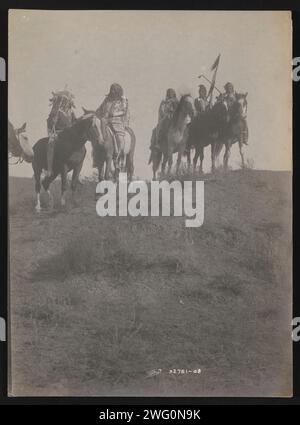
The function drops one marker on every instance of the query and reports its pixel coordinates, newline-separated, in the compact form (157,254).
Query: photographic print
(150,203)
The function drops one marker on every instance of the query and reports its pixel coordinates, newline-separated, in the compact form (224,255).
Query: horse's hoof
(38,209)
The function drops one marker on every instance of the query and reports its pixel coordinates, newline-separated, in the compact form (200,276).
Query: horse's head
(93,129)
(185,110)
(22,146)
(241,105)
(220,112)
(21,135)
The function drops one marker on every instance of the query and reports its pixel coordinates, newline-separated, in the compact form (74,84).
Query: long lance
(215,88)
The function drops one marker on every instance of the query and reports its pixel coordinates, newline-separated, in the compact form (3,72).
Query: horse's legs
(75,179)
(226,154)
(188,158)
(164,163)
(63,185)
(213,157)
(37,176)
(46,184)
(108,167)
(218,149)
(100,170)
(170,160)
(156,159)
(179,155)
(130,166)
(195,159)
(242,153)
(154,168)
(201,154)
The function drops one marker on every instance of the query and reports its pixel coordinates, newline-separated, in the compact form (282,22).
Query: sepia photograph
(150,203)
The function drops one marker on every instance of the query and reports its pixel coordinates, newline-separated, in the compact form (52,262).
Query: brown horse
(173,136)
(69,154)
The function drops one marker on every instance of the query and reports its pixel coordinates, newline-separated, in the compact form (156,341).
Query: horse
(217,127)
(69,154)
(207,129)
(237,129)
(173,136)
(18,144)
(105,153)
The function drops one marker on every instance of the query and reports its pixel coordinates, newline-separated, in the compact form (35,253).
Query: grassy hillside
(97,304)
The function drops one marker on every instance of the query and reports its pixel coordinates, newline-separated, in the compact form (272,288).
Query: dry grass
(98,303)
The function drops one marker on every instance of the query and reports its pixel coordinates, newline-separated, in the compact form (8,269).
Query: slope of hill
(136,306)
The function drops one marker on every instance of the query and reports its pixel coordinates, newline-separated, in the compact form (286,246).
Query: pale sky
(148,52)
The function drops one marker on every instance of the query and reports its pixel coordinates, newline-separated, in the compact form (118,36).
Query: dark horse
(173,136)
(69,154)
(207,129)
(218,127)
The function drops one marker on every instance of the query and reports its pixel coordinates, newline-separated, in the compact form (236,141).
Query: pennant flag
(212,86)
(216,63)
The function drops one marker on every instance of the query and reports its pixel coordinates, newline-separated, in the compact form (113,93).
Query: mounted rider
(231,97)
(114,112)
(168,105)
(201,103)
(61,116)
(165,112)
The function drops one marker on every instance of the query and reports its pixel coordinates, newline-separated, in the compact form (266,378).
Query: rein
(19,160)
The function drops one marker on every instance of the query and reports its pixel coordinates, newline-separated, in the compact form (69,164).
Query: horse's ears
(23,128)
(246,94)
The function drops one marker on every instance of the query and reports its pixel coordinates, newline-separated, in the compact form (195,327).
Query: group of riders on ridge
(202,106)
(114,113)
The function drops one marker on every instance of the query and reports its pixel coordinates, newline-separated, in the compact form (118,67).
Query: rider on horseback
(114,112)
(166,110)
(61,116)
(231,97)
(201,102)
